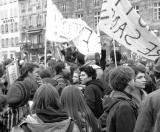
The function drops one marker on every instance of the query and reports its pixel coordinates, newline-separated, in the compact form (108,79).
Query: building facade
(32,26)
(9,29)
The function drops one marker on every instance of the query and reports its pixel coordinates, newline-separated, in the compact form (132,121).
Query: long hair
(73,102)
(45,97)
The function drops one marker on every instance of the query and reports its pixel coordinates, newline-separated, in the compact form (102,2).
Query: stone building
(9,31)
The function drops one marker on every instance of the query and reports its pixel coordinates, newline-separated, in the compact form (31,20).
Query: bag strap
(70,127)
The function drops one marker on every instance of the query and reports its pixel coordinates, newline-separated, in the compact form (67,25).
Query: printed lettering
(132,37)
(116,21)
(117,2)
(129,10)
(122,28)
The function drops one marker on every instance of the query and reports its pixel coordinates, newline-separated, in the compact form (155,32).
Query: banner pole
(115,58)
(45,53)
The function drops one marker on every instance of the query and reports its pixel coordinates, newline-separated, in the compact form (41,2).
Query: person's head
(30,70)
(121,77)
(46,97)
(45,73)
(51,66)
(140,79)
(76,78)
(60,66)
(87,73)
(73,102)
(3,103)
(118,56)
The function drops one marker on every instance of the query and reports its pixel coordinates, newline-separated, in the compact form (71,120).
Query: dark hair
(45,73)
(157,75)
(89,71)
(120,77)
(27,67)
(118,55)
(3,102)
(139,68)
(59,66)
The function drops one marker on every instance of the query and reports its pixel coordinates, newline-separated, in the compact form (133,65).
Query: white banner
(59,29)
(88,42)
(120,21)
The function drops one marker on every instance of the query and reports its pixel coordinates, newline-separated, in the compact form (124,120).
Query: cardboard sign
(12,72)
(120,21)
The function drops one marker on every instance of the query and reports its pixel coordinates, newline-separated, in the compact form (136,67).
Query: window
(156,11)
(79,4)
(30,21)
(16,41)
(11,27)
(15,12)
(64,7)
(96,18)
(2,43)
(23,8)
(6,28)
(96,2)
(6,42)
(79,16)
(16,27)
(12,44)
(2,29)
(136,8)
(39,20)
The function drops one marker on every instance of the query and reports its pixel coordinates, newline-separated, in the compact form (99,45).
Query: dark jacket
(93,94)
(148,112)
(122,112)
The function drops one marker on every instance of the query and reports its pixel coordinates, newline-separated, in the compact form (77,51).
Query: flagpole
(45,53)
(115,58)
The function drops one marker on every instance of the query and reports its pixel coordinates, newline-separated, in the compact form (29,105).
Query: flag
(120,21)
(54,21)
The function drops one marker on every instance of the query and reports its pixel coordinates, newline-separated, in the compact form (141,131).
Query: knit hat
(156,67)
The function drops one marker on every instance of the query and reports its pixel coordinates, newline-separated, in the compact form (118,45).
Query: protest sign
(120,21)
(59,29)
(88,42)
(12,72)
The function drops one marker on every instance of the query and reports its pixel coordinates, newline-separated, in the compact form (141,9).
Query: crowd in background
(82,94)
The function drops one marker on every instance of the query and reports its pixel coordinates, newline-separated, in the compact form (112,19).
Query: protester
(3,108)
(60,76)
(120,109)
(137,91)
(94,61)
(108,69)
(151,105)
(76,77)
(75,105)
(93,91)
(47,113)
(157,123)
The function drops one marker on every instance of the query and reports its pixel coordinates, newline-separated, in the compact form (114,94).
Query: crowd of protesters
(82,94)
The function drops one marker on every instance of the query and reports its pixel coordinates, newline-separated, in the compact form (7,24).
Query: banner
(88,42)
(120,21)
(59,29)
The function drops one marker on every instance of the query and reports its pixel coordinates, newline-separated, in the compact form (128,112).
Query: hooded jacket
(49,120)
(93,94)
(121,112)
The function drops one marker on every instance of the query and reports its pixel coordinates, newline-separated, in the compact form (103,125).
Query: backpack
(105,114)
(24,128)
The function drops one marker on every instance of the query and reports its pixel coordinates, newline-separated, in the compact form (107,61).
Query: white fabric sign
(121,22)
(59,29)
(88,42)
